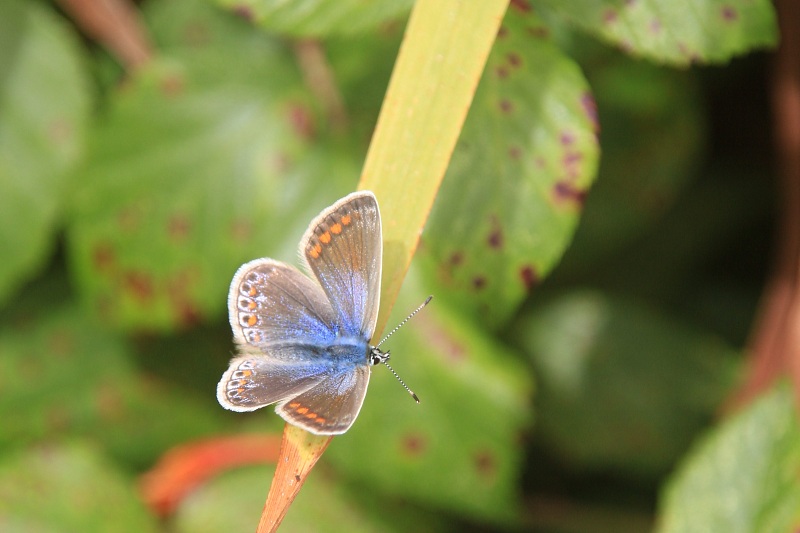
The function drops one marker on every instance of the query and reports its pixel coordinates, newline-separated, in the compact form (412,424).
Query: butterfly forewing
(343,249)
(272,302)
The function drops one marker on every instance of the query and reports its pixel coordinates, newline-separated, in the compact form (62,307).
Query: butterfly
(304,340)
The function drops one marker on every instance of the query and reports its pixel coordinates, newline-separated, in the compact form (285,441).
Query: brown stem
(786,104)
(116,25)
(320,80)
(775,342)
(300,451)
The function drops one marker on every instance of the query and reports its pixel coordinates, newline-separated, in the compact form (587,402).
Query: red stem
(775,341)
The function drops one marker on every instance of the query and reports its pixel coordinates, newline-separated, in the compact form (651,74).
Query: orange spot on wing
(311,415)
(247,373)
(346,220)
(325,238)
(294,405)
(251,320)
(302,410)
(251,305)
(336,229)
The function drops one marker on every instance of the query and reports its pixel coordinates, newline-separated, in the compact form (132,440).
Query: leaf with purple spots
(676,33)
(312,18)
(519,176)
(200,164)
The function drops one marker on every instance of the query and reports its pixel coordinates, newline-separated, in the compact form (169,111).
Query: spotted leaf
(518,178)
(676,32)
(199,164)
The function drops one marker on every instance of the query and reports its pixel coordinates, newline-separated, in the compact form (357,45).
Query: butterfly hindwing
(331,406)
(252,382)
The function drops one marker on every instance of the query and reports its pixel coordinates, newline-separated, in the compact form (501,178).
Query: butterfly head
(377,356)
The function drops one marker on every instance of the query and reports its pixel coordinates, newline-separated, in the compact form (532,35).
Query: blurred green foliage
(743,476)
(561,367)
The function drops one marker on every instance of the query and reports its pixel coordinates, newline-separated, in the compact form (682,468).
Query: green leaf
(312,18)
(65,488)
(676,33)
(199,166)
(743,476)
(460,448)
(205,39)
(63,374)
(516,185)
(52,379)
(44,106)
(620,386)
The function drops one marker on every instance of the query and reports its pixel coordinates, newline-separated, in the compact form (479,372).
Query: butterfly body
(304,341)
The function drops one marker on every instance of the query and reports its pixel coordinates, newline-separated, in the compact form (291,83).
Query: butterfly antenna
(401,324)
(403,383)
(384,357)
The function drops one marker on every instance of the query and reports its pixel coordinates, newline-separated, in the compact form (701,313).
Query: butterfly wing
(331,406)
(271,302)
(286,323)
(343,248)
(253,382)
(282,322)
